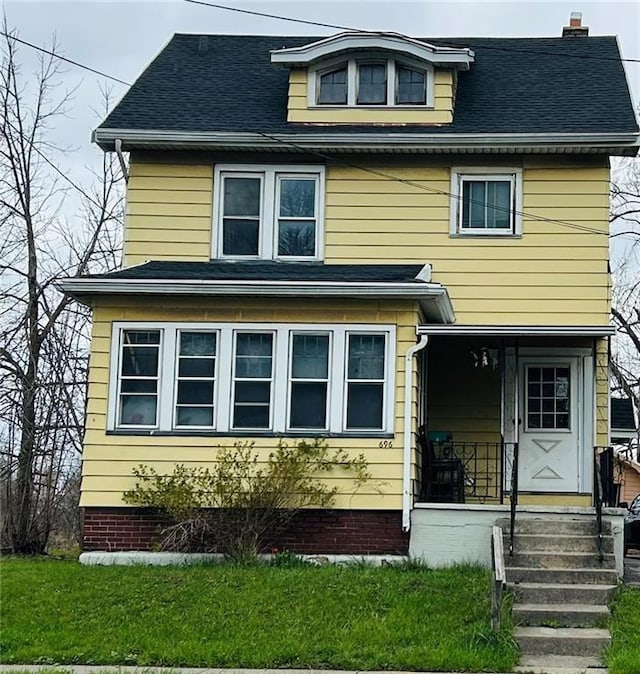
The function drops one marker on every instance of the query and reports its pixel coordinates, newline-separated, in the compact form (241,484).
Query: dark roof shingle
(515,85)
(268,271)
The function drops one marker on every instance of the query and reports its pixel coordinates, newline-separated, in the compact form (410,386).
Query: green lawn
(56,612)
(624,655)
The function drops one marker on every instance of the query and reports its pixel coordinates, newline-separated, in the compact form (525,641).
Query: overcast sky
(120,38)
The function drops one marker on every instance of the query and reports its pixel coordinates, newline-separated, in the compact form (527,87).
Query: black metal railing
(458,472)
(513,498)
(605,493)
(598,499)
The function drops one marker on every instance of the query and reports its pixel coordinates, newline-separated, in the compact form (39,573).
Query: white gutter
(140,138)
(407,433)
(518,330)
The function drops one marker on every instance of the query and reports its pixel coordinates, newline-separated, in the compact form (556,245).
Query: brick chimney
(575,27)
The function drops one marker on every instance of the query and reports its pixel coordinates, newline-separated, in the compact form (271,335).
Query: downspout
(406,459)
(123,163)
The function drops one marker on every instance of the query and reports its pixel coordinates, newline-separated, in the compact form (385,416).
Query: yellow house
(394,243)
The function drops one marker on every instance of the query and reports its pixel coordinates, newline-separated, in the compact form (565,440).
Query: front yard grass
(357,617)
(623,656)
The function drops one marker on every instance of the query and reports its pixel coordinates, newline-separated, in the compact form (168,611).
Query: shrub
(239,504)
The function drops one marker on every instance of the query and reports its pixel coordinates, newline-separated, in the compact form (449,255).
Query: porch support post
(407,434)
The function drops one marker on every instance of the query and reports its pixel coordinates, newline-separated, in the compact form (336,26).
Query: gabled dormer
(372,78)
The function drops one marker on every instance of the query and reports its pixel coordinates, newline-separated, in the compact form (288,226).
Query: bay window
(252,378)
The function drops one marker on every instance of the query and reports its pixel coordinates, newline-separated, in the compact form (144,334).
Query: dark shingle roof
(515,85)
(268,271)
(622,414)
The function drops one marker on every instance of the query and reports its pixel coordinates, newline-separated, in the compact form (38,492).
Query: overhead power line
(333,158)
(538,52)
(64,58)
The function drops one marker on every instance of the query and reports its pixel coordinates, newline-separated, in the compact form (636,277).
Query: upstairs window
(372,84)
(486,202)
(333,87)
(412,86)
(268,212)
(361,82)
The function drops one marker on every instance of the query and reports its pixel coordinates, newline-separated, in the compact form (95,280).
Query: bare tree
(625,311)
(43,335)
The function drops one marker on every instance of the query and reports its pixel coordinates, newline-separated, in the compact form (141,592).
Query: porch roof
(312,280)
(518,330)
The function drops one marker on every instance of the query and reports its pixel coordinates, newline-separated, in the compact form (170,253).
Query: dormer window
(372,83)
(332,89)
(411,88)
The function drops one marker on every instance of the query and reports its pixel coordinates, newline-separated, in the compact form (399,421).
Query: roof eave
(615,143)
(457,57)
(433,297)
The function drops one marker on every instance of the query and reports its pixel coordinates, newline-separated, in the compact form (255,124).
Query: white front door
(550,422)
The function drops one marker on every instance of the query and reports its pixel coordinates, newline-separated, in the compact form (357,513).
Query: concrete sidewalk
(540,668)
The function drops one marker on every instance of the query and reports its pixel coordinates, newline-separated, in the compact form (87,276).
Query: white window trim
(487,173)
(223,393)
(291,381)
(268,225)
(116,364)
(348,381)
(235,379)
(174,407)
(314,74)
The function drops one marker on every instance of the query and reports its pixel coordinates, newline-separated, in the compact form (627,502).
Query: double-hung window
(252,378)
(269,212)
(486,202)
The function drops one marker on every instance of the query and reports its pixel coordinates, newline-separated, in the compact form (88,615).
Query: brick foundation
(350,532)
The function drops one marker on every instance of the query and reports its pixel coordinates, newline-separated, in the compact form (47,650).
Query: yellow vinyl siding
(528,279)
(300,111)
(553,274)
(169,211)
(602,392)
(109,458)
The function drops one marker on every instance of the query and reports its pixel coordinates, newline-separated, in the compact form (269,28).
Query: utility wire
(536,52)
(333,158)
(433,190)
(63,58)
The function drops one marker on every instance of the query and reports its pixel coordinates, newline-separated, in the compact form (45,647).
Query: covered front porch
(512,423)
(506,412)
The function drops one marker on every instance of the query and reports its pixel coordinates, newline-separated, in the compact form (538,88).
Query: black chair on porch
(442,476)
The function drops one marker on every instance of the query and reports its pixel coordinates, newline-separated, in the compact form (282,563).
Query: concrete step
(520,574)
(554,543)
(560,664)
(580,641)
(559,526)
(560,615)
(561,593)
(560,560)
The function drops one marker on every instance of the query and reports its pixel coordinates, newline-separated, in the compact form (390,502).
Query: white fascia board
(429,293)
(374,142)
(461,57)
(519,330)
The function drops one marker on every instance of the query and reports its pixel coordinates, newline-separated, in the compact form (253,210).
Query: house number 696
(385,444)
